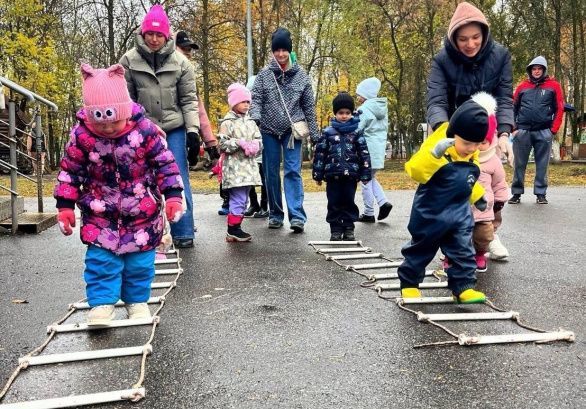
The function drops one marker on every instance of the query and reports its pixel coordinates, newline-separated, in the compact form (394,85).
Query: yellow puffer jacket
(423,165)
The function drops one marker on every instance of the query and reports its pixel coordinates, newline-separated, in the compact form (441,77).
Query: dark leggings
(263,193)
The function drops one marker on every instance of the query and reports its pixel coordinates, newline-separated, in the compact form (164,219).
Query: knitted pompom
(486,101)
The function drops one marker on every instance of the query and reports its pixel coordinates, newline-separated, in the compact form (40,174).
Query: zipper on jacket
(343,156)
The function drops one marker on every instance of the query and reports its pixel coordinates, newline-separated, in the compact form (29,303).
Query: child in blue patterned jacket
(342,159)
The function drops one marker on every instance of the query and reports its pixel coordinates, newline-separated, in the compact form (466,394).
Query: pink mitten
(243,143)
(66,219)
(253,148)
(250,148)
(174,209)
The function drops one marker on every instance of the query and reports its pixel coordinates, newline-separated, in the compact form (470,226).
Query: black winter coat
(342,152)
(454,78)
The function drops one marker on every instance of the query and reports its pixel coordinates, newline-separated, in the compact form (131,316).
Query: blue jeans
(273,149)
(110,277)
(540,141)
(183,229)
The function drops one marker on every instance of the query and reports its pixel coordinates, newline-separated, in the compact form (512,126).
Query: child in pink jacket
(492,178)
(117,168)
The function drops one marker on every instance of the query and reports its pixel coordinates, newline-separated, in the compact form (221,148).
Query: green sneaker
(470,296)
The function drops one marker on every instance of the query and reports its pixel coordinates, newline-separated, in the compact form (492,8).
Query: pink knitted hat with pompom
(156,20)
(105,95)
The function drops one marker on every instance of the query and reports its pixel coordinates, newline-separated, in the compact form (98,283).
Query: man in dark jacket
(470,62)
(538,108)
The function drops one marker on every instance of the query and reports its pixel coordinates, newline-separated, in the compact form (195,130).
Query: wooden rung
(345,250)
(85,305)
(386,276)
(392,264)
(85,355)
(529,337)
(354,256)
(167,261)
(167,271)
(426,300)
(83,326)
(334,243)
(468,316)
(78,400)
(397,286)
(164,284)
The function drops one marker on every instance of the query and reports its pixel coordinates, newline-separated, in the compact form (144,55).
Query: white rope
(439,275)
(147,347)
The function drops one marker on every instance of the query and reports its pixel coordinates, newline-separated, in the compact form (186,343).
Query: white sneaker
(138,311)
(100,315)
(497,250)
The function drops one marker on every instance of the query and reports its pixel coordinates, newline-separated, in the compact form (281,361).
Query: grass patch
(393,177)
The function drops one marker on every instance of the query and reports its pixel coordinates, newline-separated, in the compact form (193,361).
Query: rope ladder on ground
(167,264)
(353,251)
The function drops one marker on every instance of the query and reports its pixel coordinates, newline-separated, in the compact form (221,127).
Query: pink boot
(445,263)
(481,266)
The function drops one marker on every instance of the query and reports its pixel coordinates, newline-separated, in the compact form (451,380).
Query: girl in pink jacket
(116,168)
(492,178)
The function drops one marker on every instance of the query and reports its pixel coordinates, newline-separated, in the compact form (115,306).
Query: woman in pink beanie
(116,168)
(163,81)
(240,143)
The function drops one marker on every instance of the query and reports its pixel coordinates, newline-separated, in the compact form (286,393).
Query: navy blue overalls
(441,218)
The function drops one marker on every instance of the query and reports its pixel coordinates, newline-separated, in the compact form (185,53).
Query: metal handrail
(18,151)
(9,166)
(31,96)
(22,131)
(13,142)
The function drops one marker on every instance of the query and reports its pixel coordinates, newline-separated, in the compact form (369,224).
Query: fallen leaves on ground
(393,177)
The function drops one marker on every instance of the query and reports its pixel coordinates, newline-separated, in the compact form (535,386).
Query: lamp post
(249,37)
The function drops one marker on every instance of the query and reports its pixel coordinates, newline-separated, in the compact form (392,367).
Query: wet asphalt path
(271,324)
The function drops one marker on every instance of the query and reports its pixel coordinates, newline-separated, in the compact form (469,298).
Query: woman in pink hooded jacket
(492,178)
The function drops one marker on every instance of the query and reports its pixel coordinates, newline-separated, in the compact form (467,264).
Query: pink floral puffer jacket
(117,184)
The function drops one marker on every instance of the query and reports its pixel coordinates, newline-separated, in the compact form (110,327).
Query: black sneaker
(183,243)
(235,233)
(261,214)
(384,211)
(366,219)
(515,199)
(275,224)
(337,236)
(297,226)
(541,199)
(251,211)
(349,235)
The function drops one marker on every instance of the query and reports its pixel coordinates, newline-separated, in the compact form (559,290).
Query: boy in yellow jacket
(446,168)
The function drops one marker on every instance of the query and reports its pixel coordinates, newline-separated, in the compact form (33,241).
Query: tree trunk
(111,45)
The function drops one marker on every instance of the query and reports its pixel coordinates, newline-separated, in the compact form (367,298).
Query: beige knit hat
(466,13)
